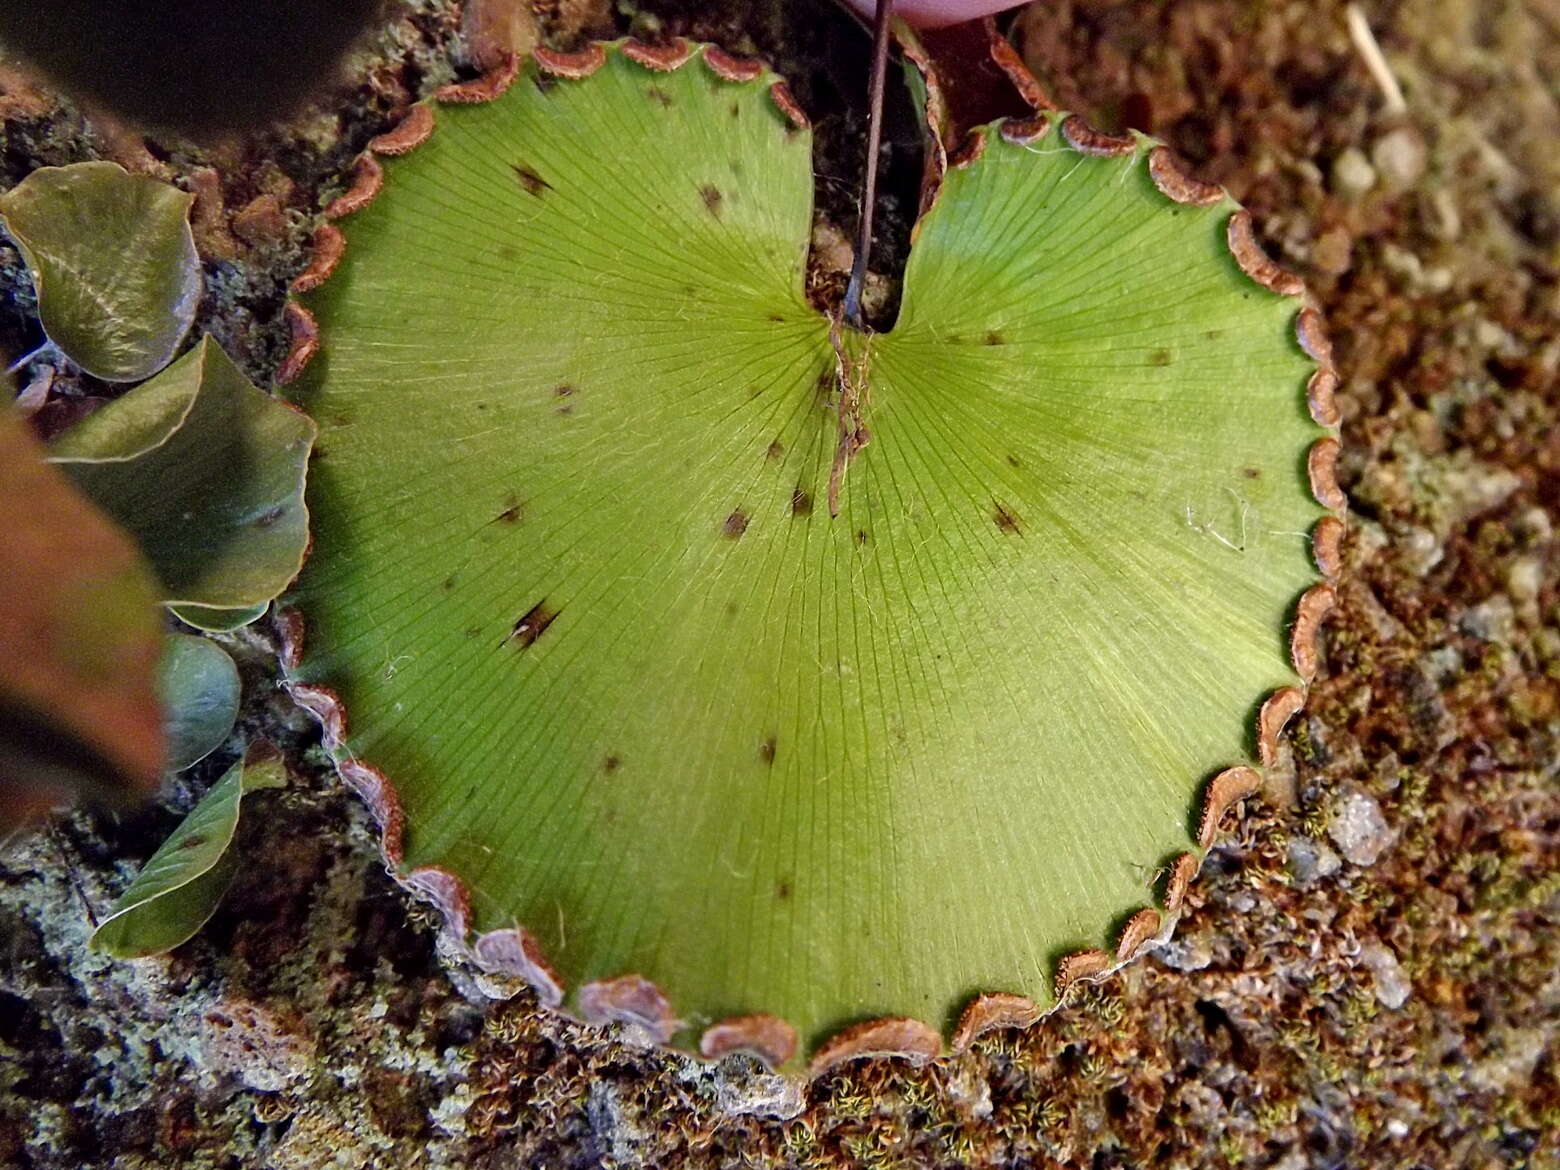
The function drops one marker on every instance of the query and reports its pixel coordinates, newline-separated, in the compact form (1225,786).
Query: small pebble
(1359,829)
(1399,156)
(1392,985)
(1446,222)
(1533,526)
(1421,551)
(1333,251)
(758,1095)
(1352,174)
(1310,859)
(1525,578)
(1490,621)
(1490,335)
(1185,956)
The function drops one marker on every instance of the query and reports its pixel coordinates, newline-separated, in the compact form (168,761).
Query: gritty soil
(1368,973)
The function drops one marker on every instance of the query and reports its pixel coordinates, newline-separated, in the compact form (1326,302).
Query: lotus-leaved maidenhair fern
(658,729)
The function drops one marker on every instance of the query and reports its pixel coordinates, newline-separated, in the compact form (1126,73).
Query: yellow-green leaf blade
(577,587)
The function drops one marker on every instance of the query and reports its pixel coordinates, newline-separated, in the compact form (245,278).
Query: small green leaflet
(207,473)
(179,888)
(199,689)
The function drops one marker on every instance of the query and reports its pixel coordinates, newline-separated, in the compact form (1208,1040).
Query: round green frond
(219,621)
(197,683)
(113,262)
(577,585)
(207,473)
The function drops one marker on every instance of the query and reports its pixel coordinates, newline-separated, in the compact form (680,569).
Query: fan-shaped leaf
(181,884)
(577,583)
(113,261)
(199,688)
(207,473)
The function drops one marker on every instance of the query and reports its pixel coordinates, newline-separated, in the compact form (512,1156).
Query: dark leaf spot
(1006,519)
(1160,357)
(995,338)
(531,626)
(511,511)
(447,584)
(193,841)
(1013,461)
(736,110)
(659,95)
(776,451)
(266,519)
(712,197)
(611,764)
(766,750)
(563,390)
(780,317)
(1251,472)
(783,889)
(801,503)
(861,536)
(473,631)
(735,525)
(533,183)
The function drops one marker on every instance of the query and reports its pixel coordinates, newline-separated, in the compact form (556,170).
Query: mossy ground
(1312,1011)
